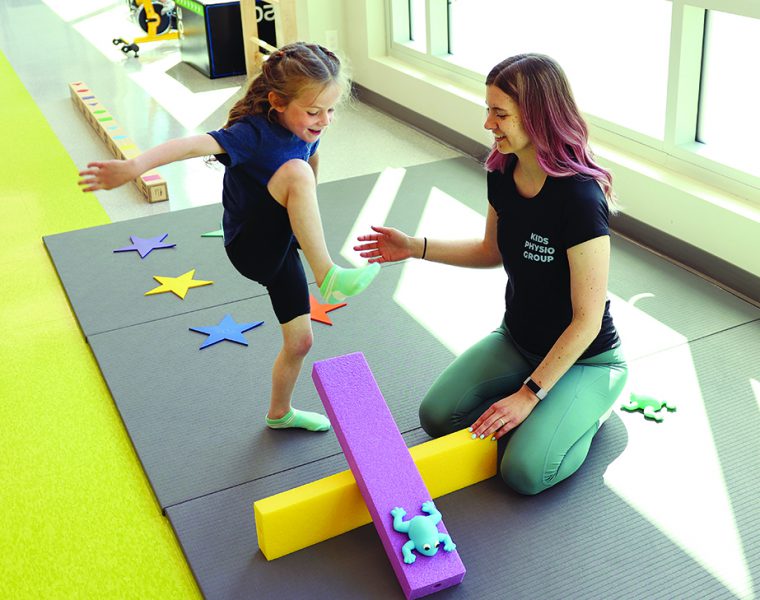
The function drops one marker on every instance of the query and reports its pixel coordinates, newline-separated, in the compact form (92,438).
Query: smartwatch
(535,388)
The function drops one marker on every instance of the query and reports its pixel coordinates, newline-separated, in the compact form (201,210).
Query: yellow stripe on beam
(317,511)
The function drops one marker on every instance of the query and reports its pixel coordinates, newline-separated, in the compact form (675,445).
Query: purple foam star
(145,245)
(227,329)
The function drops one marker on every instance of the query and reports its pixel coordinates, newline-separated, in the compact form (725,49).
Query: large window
(676,77)
(614,53)
(729,105)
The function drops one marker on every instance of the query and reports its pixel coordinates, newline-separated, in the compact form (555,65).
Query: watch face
(535,388)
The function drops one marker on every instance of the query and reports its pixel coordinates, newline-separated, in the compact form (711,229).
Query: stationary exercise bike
(157,18)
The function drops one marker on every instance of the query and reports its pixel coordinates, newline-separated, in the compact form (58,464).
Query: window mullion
(437,27)
(684,71)
(400,20)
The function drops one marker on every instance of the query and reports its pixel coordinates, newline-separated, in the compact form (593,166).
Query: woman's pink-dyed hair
(550,118)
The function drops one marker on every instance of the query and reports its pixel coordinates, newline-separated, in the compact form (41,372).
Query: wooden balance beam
(151,183)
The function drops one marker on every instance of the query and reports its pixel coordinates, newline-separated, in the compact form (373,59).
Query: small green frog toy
(424,536)
(651,407)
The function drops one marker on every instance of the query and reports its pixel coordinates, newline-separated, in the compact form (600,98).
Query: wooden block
(384,470)
(151,184)
(318,511)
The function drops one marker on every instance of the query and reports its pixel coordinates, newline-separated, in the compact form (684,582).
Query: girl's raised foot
(340,283)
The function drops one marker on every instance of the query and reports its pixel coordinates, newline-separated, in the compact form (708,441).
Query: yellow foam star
(177,285)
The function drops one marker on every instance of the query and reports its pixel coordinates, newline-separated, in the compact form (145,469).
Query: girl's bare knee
(299,345)
(295,175)
(295,171)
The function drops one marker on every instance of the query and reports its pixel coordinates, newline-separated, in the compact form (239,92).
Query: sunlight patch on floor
(374,211)
(201,185)
(102,27)
(188,107)
(457,306)
(72,11)
(670,472)
(640,333)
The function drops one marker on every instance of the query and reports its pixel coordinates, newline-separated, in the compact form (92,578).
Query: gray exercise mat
(106,288)
(222,546)
(196,417)
(576,540)
(679,305)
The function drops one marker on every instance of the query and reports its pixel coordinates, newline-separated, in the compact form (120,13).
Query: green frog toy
(651,407)
(424,536)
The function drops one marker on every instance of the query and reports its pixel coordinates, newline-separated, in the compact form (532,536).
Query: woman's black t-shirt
(534,235)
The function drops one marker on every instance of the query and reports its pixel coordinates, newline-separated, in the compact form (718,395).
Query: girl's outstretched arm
(110,174)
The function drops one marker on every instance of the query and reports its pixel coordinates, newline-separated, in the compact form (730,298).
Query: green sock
(340,283)
(301,419)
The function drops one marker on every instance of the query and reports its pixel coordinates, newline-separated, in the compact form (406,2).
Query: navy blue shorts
(265,250)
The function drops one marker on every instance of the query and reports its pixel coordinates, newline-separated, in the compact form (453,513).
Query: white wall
(318,20)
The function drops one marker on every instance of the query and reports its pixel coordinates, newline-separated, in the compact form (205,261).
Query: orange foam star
(319,311)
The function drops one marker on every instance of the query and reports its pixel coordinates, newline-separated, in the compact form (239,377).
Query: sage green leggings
(552,443)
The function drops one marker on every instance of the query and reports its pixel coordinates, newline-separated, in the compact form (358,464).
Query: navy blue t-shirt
(255,148)
(534,235)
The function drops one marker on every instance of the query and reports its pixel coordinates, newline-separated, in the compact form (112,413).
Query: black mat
(195,416)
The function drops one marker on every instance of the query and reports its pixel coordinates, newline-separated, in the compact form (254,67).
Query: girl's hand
(385,245)
(107,175)
(503,416)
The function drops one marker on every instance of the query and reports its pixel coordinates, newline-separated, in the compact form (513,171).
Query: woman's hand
(107,175)
(503,416)
(385,245)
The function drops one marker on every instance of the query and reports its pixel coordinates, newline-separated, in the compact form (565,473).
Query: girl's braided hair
(288,72)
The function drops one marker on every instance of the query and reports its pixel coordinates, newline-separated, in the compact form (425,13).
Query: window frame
(678,150)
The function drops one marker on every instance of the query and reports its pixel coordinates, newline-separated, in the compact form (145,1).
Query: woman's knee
(523,476)
(430,422)
(435,421)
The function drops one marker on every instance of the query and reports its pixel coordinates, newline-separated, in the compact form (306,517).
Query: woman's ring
(502,422)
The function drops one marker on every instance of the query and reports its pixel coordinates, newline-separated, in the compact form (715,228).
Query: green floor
(77,516)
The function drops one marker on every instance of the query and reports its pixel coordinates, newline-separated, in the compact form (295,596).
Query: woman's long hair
(550,117)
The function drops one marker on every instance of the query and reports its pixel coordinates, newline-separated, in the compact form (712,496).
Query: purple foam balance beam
(383,468)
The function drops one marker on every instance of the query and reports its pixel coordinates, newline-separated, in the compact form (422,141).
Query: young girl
(269,149)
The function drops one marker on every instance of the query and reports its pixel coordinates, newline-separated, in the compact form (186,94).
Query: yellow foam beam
(151,184)
(317,511)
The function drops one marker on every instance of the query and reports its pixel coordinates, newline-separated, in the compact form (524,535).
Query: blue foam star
(145,245)
(227,329)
